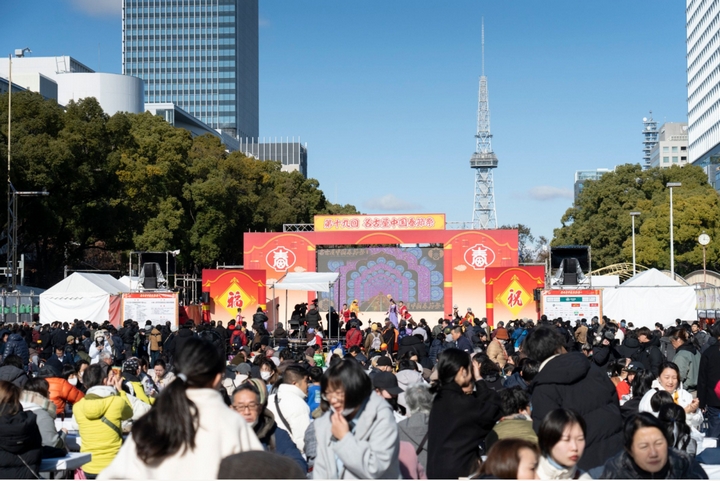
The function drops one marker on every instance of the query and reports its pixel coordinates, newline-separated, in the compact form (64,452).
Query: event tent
(90,297)
(650,297)
(307,281)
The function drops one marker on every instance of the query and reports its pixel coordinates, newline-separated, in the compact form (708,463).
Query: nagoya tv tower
(484,159)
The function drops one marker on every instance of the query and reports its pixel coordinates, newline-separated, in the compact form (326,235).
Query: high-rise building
(291,154)
(671,146)
(201,55)
(582,176)
(703,81)
(650,137)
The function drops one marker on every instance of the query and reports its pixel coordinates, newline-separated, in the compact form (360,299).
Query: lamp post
(670,186)
(632,217)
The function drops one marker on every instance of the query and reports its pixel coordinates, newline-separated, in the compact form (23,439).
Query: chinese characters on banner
(510,292)
(325,223)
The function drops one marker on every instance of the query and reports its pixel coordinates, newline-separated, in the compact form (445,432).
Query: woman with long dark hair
(20,440)
(189,429)
(463,413)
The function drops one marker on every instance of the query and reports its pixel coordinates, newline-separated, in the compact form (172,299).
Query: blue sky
(385,92)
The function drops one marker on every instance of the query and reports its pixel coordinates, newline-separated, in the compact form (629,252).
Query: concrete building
(292,155)
(64,79)
(671,147)
(703,81)
(177,117)
(581,176)
(201,55)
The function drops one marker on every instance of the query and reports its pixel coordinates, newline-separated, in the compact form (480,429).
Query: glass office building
(201,55)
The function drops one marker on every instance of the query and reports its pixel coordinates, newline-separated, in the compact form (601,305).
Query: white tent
(650,297)
(131,282)
(307,281)
(90,297)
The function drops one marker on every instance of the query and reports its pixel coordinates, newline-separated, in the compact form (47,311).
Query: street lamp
(632,217)
(670,186)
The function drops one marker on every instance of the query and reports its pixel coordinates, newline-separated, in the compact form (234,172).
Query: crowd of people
(550,399)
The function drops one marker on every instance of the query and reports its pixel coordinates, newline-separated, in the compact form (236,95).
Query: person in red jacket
(353,337)
(61,391)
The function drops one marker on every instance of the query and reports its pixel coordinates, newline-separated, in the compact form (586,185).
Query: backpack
(214,338)
(376,342)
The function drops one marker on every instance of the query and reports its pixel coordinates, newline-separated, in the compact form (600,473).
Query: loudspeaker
(149,269)
(570,279)
(537,294)
(570,265)
(150,282)
(206,297)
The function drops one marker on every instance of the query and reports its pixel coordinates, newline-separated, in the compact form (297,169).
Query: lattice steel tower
(484,159)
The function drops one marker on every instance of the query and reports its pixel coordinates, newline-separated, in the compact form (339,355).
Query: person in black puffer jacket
(571,381)
(634,462)
(17,346)
(630,346)
(177,342)
(413,343)
(20,442)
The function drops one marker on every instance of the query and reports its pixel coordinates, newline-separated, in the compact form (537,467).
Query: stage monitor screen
(413,275)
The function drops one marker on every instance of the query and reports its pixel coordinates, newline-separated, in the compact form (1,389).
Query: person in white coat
(98,347)
(189,429)
(288,404)
(669,380)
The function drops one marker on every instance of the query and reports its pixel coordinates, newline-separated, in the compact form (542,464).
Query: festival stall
(650,297)
(90,297)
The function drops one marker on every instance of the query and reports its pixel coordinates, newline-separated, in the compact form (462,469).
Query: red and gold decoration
(509,291)
(232,289)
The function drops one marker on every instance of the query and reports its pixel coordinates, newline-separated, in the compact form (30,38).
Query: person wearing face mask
(61,391)
(358,437)
(250,400)
(496,349)
(562,441)
(288,404)
(268,371)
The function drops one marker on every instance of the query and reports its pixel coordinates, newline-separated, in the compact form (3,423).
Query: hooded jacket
(221,433)
(16,345)
(413,430)
(458,424)
(682,398)
(14,375)
(176,344)
(20,441)
(62,392)
(99,439)
(369,451)
(277,440)
(650,356)
(687,359)
(571,381)
(155,339)
(679,466)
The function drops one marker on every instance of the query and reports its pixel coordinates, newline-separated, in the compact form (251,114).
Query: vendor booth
(650,297)
(90,297)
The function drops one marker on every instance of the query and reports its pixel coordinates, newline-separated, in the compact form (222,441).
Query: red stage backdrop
(429,268)
(509,291)
(233,288)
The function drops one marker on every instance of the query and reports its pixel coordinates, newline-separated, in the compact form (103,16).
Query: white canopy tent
(307,281)
(86,296)
(304,281)
(650,297)
(131,282)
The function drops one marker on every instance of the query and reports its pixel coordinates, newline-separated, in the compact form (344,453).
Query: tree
(601,217)
(531,250)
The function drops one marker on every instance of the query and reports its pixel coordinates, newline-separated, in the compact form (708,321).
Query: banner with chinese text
(335,223)
(572,304)
(509,292)
(233,289)
(158,307)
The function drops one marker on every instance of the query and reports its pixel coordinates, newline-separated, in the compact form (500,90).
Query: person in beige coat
(190,429)
(496,349)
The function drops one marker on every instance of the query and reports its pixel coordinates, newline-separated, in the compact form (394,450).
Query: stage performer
(404,312)
(345,313)
(392,312)
(355,307)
